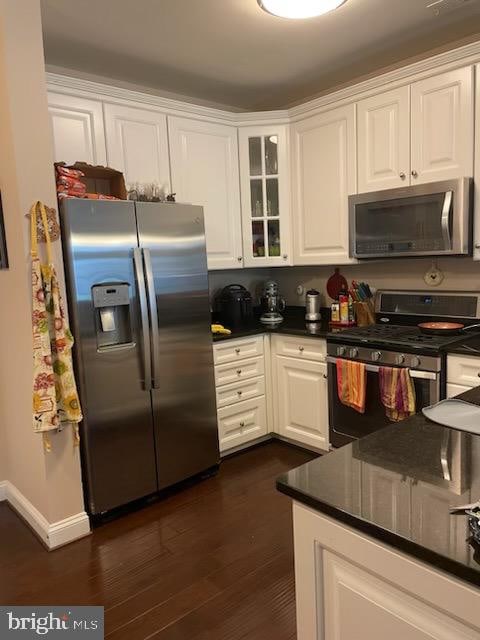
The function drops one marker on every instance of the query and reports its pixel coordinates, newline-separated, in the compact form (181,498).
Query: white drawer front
(304,348)
(463,370)
(238,391)
(228,373)
(234,350)
(241,423)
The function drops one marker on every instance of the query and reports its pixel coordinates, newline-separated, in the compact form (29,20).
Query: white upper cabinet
(442,126)
(324,171)
(265,191)
(204,163)
(383,125)
(77,127)
(137,144)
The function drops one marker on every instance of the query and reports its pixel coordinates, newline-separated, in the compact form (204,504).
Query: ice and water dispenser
(112,315)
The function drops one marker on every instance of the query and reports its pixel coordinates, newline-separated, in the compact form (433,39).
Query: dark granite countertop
(468,347)
(293,324)
(342,484)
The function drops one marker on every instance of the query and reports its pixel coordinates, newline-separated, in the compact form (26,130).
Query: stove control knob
(353,352)
(341,351)
(400,359)
(415,361)
(376,356)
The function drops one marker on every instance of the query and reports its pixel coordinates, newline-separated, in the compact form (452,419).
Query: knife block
(364,314)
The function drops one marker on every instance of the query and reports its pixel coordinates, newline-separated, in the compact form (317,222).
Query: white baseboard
(53,535)
(3,490)
(67,530)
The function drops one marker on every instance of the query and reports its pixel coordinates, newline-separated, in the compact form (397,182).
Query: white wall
(252,279)
(50,482)
(461,274)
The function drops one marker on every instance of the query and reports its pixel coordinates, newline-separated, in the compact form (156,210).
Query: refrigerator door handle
(152,307)
(142,296)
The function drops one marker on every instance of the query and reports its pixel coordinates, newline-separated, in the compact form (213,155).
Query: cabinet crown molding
(461,56)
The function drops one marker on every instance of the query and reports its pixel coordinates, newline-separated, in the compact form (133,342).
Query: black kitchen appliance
(396,341)
(235,306)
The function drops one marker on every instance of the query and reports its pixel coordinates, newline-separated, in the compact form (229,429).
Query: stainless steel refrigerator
(139,309)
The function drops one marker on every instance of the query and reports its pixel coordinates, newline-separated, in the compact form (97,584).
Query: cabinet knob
(415,174)
(240,258)
(237,350)
(301,348)
(242,424)
(402,175)
(285,256)
(239,372)
(239,393)
(477,246)
(325,376)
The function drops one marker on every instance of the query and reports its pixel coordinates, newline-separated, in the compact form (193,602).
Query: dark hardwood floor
(214,561)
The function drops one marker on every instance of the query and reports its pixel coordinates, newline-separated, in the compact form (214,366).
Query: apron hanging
(55,397)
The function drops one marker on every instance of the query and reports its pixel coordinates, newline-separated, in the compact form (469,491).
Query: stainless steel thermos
(312,306)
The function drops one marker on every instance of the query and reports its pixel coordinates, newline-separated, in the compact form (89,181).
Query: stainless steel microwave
(423,220)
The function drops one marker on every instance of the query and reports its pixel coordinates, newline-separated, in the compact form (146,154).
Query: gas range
(395,341)
(396,338)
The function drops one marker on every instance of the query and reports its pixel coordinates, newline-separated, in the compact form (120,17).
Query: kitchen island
(377,553)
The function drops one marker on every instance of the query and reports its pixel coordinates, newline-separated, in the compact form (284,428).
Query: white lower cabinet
(463,374)
(463,370)
(242,422)
(241,384)
(456,389)
(271,392)
(350,586)
(361,606)
(302,401)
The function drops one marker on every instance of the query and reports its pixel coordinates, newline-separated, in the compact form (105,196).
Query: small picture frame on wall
(3,240)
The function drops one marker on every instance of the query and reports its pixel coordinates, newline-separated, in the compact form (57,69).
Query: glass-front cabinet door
(265,193)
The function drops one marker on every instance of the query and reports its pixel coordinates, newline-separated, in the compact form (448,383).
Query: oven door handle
(422,375)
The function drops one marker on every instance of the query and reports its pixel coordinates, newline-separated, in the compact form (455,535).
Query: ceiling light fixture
(298,9)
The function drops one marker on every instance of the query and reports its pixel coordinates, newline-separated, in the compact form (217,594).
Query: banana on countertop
(220,329)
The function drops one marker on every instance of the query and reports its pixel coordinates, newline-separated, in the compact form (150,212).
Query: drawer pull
(242,424)
(239,372)
(237,350)
(239,393)
(301,349)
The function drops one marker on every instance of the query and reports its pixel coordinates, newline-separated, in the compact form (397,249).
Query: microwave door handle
(446,211)
(142,297)
(152,307)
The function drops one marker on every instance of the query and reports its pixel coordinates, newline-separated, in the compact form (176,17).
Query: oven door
(430,219)
(347,425)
